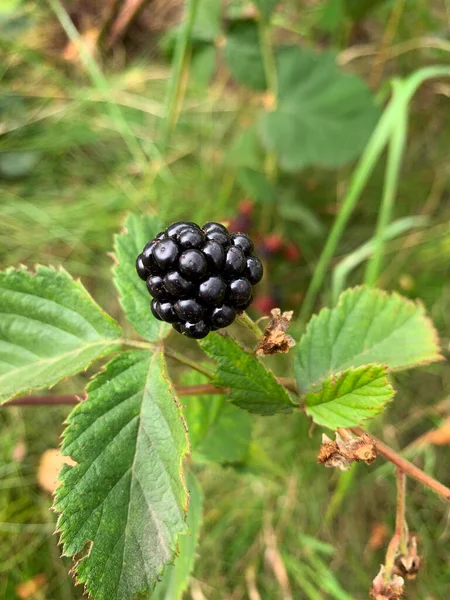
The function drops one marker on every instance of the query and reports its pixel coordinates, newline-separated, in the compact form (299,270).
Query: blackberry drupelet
(199,278)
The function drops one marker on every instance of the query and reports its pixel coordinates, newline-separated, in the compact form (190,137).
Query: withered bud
(275,340)
(408,564)
(342,453)
(387,590)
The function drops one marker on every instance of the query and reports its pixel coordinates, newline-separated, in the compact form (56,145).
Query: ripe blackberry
(199,278)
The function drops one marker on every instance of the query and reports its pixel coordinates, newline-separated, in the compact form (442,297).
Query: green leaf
(123,505)
(50,328)
(133,294)
(176,577)
(266,7)
(218,431)
(357,9)
(367,326)
(256,185)
(207,23)
(349,398)
(243,55)
(245,151)
(323,116)
(252,386)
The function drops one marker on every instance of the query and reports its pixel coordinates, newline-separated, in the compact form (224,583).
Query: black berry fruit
(178,286)
(212,291)
(191,238)
(155,285)
(242,241)
(222,316)
(215,255)
(197,330)
(166,312)
(199,278)
(239,291)
(235,262)
(193,264)
(189,310)
(141,268)
(165,253)
(254,270)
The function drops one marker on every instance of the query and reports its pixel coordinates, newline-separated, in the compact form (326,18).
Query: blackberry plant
(130,508)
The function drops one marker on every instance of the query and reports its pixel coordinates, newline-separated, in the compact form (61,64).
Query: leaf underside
(50,328)
(347,399)
(133,294)
(367,326)
(252,386)
(123,505)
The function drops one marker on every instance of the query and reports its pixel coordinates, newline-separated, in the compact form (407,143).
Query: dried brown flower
(275,339)
(342,453)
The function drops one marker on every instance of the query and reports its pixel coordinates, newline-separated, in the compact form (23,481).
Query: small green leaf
(50,328)
(323,117)
(218,431)
(367,326)
(256,185)
(348,398)
(252,386)
(176,577)
(266,7)
(243,55)
(123,505)
(134,297)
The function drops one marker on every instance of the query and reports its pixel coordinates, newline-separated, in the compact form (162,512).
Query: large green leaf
(123,505)
(50,328)
(367,326)
(323,117)
(349,398)
(218,431)
(243,55)
(134,297)
(252,386)
(176,577)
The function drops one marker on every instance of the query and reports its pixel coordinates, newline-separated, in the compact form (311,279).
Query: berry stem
(406,466)
(246,321)
(398,541)
(173,354)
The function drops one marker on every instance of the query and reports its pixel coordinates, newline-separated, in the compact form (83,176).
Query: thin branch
(55,400)
(52,400)
(188,362)
(398,541)
(407,466)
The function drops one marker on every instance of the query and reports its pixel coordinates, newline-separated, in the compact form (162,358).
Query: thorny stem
(398,540)
(407,466)
(246,321)
(188,362)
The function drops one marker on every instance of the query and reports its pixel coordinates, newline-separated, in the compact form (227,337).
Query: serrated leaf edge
(175,549)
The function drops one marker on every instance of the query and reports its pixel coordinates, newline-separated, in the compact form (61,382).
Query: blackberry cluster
(199,278)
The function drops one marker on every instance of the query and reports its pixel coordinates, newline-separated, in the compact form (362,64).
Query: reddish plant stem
(182,390)
(407,466)
(398,541)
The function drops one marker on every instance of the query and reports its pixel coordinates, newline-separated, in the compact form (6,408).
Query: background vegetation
(90,134)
